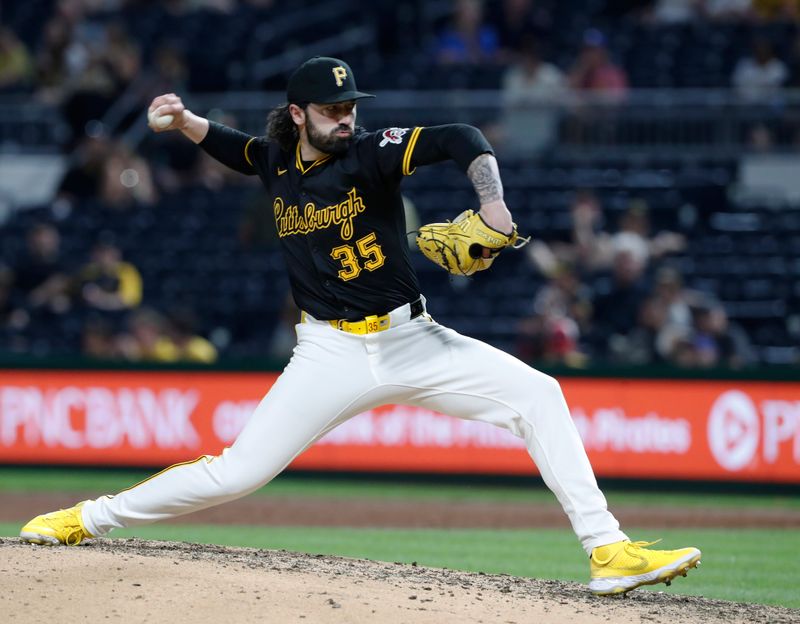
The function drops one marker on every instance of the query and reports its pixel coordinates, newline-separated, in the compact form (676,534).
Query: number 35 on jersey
(367,255)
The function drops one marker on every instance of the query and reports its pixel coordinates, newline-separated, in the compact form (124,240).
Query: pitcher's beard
(327,144)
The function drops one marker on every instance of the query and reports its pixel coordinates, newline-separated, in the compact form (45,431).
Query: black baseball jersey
(340,219)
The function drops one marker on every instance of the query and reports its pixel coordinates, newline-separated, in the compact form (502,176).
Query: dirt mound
(131,580)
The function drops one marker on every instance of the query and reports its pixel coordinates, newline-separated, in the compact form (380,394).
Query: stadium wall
(735,429)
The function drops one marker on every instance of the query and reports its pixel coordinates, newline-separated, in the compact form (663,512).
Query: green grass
(746,565)
(742,565)
(95,482)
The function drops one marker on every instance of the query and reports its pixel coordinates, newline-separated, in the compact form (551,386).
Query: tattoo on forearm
(485,178)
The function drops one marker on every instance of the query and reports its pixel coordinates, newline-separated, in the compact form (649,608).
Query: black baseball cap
(323,80)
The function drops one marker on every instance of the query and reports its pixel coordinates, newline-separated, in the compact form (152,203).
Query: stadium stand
(676,150)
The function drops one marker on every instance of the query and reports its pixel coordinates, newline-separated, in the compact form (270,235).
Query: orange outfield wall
(676,429)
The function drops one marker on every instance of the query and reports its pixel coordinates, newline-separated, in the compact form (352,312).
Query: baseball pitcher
(365,338)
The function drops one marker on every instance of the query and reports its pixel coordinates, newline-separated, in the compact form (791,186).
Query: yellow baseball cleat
(64,526)
(620,567)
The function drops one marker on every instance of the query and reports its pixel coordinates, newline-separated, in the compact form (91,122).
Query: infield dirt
(136,581)
(129,580)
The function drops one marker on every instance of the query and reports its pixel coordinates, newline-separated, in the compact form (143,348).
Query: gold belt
(369,325)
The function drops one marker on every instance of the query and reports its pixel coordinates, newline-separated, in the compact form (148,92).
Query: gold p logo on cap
(340,73)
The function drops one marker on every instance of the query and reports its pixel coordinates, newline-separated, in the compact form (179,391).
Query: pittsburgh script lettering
(290,220)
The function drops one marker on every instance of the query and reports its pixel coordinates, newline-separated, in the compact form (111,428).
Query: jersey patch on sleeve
(392,135)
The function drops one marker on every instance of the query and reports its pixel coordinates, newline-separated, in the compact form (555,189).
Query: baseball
(162,121)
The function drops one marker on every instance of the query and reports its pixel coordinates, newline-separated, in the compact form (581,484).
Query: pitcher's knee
(544,388)
(553,387)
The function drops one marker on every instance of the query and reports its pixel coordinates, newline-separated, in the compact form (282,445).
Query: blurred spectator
(92,90)
(727,10)
(16,65)
(688,328)
(86,172)
(13,320)
(587,223)
(126,180)
(171,74)
(189,346)
(53,60)
(11,317)
(675,11)
(593,248)
(468,39)
(587,226)
(153,338)
(616,303)
(85,65)
(683,327)
(532,88)
(560,315)
(635,224)
(40,275)
(84,59)
(107,282)
(678,347)
(517,20)
(531,79)
(122,54)
(639,345)
(672,298)
(147,338)
(777,10)
(599,86)
(761,75)
(98,340)
(716,339)
(594,71)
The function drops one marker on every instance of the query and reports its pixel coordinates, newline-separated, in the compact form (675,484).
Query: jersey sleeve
(386,151)
(231,147)
(398,151)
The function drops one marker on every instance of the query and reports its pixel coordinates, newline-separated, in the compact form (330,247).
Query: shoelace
(642,544)
(75,532)
(631,551)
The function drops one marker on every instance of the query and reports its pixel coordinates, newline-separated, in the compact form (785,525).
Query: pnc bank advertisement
(672,429)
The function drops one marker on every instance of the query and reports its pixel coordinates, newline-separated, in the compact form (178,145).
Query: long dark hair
(281,128)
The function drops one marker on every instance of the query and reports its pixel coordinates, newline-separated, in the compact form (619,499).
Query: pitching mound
(144,581)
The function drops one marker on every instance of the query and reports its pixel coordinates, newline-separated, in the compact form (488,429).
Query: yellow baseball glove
(458,246)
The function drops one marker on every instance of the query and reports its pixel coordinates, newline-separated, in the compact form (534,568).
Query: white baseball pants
(333,375)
